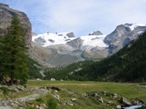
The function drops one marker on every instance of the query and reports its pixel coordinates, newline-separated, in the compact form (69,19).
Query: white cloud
(68,15)
(128,11)
(81,16)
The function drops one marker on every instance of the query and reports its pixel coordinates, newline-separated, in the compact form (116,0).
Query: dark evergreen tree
(13,53)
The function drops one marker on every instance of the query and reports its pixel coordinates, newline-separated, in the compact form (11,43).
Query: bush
(52,104)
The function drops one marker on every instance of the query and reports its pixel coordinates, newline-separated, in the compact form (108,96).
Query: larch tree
(13,51)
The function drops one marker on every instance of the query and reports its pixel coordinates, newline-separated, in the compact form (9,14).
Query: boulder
(125,101)
(74,99)
(53,79)
(115,96)
(118,107)
(101,100)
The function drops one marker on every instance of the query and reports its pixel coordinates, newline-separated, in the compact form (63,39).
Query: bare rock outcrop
(6,14)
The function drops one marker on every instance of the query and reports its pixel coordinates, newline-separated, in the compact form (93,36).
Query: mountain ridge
(127,65)
(94,46)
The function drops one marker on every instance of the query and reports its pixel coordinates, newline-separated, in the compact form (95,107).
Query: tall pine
(13,54)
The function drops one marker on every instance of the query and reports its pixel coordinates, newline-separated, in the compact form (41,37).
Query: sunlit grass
(130,90)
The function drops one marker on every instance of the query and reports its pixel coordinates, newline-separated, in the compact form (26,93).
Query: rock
(40,41)
(125,101)
(57,97)
(84,95)
(14,88)
(110,102)
(122,36)
(137,102)
(94,94)
(37,106)
(73,99)
(101,100)
(118,107)
(105,93)
(53,79)
(69,103)
(76,43)
(61,80)
(95,33)
(13,104)
(43,106)
(20,88)
(115,96)
(70,35)
(7,13)
(54,88)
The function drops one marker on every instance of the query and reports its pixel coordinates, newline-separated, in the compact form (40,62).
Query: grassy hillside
(126,65)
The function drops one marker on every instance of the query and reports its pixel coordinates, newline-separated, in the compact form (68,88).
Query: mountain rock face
(66,48)
(71,34)
(123,35)
(96,33)
(6,15)
(76,43)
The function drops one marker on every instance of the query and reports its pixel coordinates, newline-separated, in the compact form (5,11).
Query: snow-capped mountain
(48,39)
(123,35)
(66,48)
(133,26)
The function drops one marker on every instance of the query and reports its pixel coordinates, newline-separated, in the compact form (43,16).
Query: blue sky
(80,16)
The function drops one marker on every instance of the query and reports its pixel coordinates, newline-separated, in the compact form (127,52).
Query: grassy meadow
(128,90)
(79,94)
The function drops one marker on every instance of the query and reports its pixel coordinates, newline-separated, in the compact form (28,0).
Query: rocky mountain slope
(6,14)
(65,48)
(123,35)
(69,48)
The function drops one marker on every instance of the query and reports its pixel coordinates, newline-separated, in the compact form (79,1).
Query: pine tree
(13,53)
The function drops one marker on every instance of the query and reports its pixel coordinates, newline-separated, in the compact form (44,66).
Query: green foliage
(5,91)
(126,65)
(66,72)
(52,104)
(40,100)
(13,53)
(34,69)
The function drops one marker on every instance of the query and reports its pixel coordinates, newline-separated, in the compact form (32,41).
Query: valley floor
(72,95)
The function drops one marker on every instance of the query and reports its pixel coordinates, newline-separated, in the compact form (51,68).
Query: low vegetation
(77,95)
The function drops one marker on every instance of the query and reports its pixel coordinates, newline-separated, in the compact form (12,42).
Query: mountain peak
(3,5)
(96,33)
(132,26)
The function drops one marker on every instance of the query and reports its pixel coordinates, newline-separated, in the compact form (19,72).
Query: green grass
(77,90)
(129,90)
